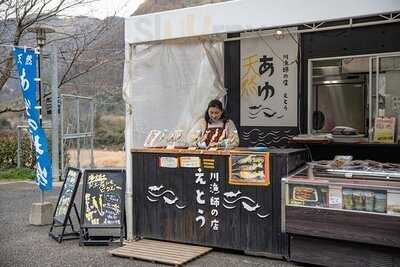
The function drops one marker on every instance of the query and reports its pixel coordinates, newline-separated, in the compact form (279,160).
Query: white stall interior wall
(171,84)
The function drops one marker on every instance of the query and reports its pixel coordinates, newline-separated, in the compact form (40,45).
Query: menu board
(103,198)
(67,195)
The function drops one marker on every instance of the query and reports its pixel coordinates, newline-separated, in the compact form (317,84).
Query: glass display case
(346,208)
(357,187)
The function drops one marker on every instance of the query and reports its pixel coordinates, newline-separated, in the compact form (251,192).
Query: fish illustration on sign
(250,208)
(156,188)
(151,200)
(161,194)
(232,194)
(169,200)
(230,198)
(263,216)
(228,207)
(236,200)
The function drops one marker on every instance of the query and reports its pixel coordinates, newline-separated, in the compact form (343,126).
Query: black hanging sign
(61,216)
(103,203)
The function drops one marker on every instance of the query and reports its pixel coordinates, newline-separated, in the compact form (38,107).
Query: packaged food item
(393,202)
(380,202)
(358,198)
(340,161)
(369,200)
(151,138)
(305,194)
(335,197)
(194,137)
(175,139)
(348,199)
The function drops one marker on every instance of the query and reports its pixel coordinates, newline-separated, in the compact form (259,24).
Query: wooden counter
(180,204)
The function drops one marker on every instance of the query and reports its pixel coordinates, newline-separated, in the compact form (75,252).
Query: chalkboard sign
(61,215)
(103,198)
(67,195)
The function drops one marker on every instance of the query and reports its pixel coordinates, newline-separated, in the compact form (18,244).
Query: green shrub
(8,152)
(110,132)
(18,174)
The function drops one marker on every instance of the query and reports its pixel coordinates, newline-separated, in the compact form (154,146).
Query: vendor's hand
(213,144)
(223,143)
(202,145)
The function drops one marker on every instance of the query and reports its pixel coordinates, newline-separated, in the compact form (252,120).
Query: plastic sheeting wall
(171,84)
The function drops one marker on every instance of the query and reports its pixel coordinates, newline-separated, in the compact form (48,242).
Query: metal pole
(19,147)
(370,126)
(309,98)
(93,112)
(62,136)
(40,88)
(41,109)
(78,130)
(377,88)
(54,113)
(129,205)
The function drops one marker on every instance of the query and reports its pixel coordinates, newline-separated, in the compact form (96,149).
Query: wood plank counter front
(187,196)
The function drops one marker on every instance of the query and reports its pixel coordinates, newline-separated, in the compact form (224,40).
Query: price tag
(333,200)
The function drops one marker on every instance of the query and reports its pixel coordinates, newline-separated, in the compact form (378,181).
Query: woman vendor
(215,129)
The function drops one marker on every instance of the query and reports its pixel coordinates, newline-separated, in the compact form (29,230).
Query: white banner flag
(268,83)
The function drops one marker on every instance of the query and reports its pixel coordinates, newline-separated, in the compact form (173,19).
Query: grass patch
(17,174)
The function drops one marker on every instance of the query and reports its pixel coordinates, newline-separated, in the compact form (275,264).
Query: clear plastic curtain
(171,84)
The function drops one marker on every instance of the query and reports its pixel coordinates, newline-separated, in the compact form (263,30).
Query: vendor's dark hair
(216,104)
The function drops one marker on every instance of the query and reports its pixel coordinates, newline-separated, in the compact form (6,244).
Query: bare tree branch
(81,58)
(12,110)
(27,13)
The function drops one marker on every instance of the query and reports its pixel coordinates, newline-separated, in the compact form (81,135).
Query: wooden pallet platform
(160,251)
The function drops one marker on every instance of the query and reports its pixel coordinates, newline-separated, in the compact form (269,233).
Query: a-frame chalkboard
(61,215)
(103,206)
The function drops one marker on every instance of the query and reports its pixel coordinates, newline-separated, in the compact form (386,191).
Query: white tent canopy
(242,15)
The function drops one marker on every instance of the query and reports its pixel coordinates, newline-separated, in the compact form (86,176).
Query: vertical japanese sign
(268,83)
(201,199)
(25,60)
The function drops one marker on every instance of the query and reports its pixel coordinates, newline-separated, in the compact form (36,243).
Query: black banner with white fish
(200,206)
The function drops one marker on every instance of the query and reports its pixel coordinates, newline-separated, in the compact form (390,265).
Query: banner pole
(27,64)
(41,108)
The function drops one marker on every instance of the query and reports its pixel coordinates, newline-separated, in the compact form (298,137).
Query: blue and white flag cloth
(25,60)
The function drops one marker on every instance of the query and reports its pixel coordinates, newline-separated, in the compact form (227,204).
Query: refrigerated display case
(350,211)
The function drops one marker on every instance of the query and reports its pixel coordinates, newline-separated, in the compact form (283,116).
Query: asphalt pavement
(22,244)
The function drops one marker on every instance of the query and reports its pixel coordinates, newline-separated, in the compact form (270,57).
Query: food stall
(226,199)
(274,86)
